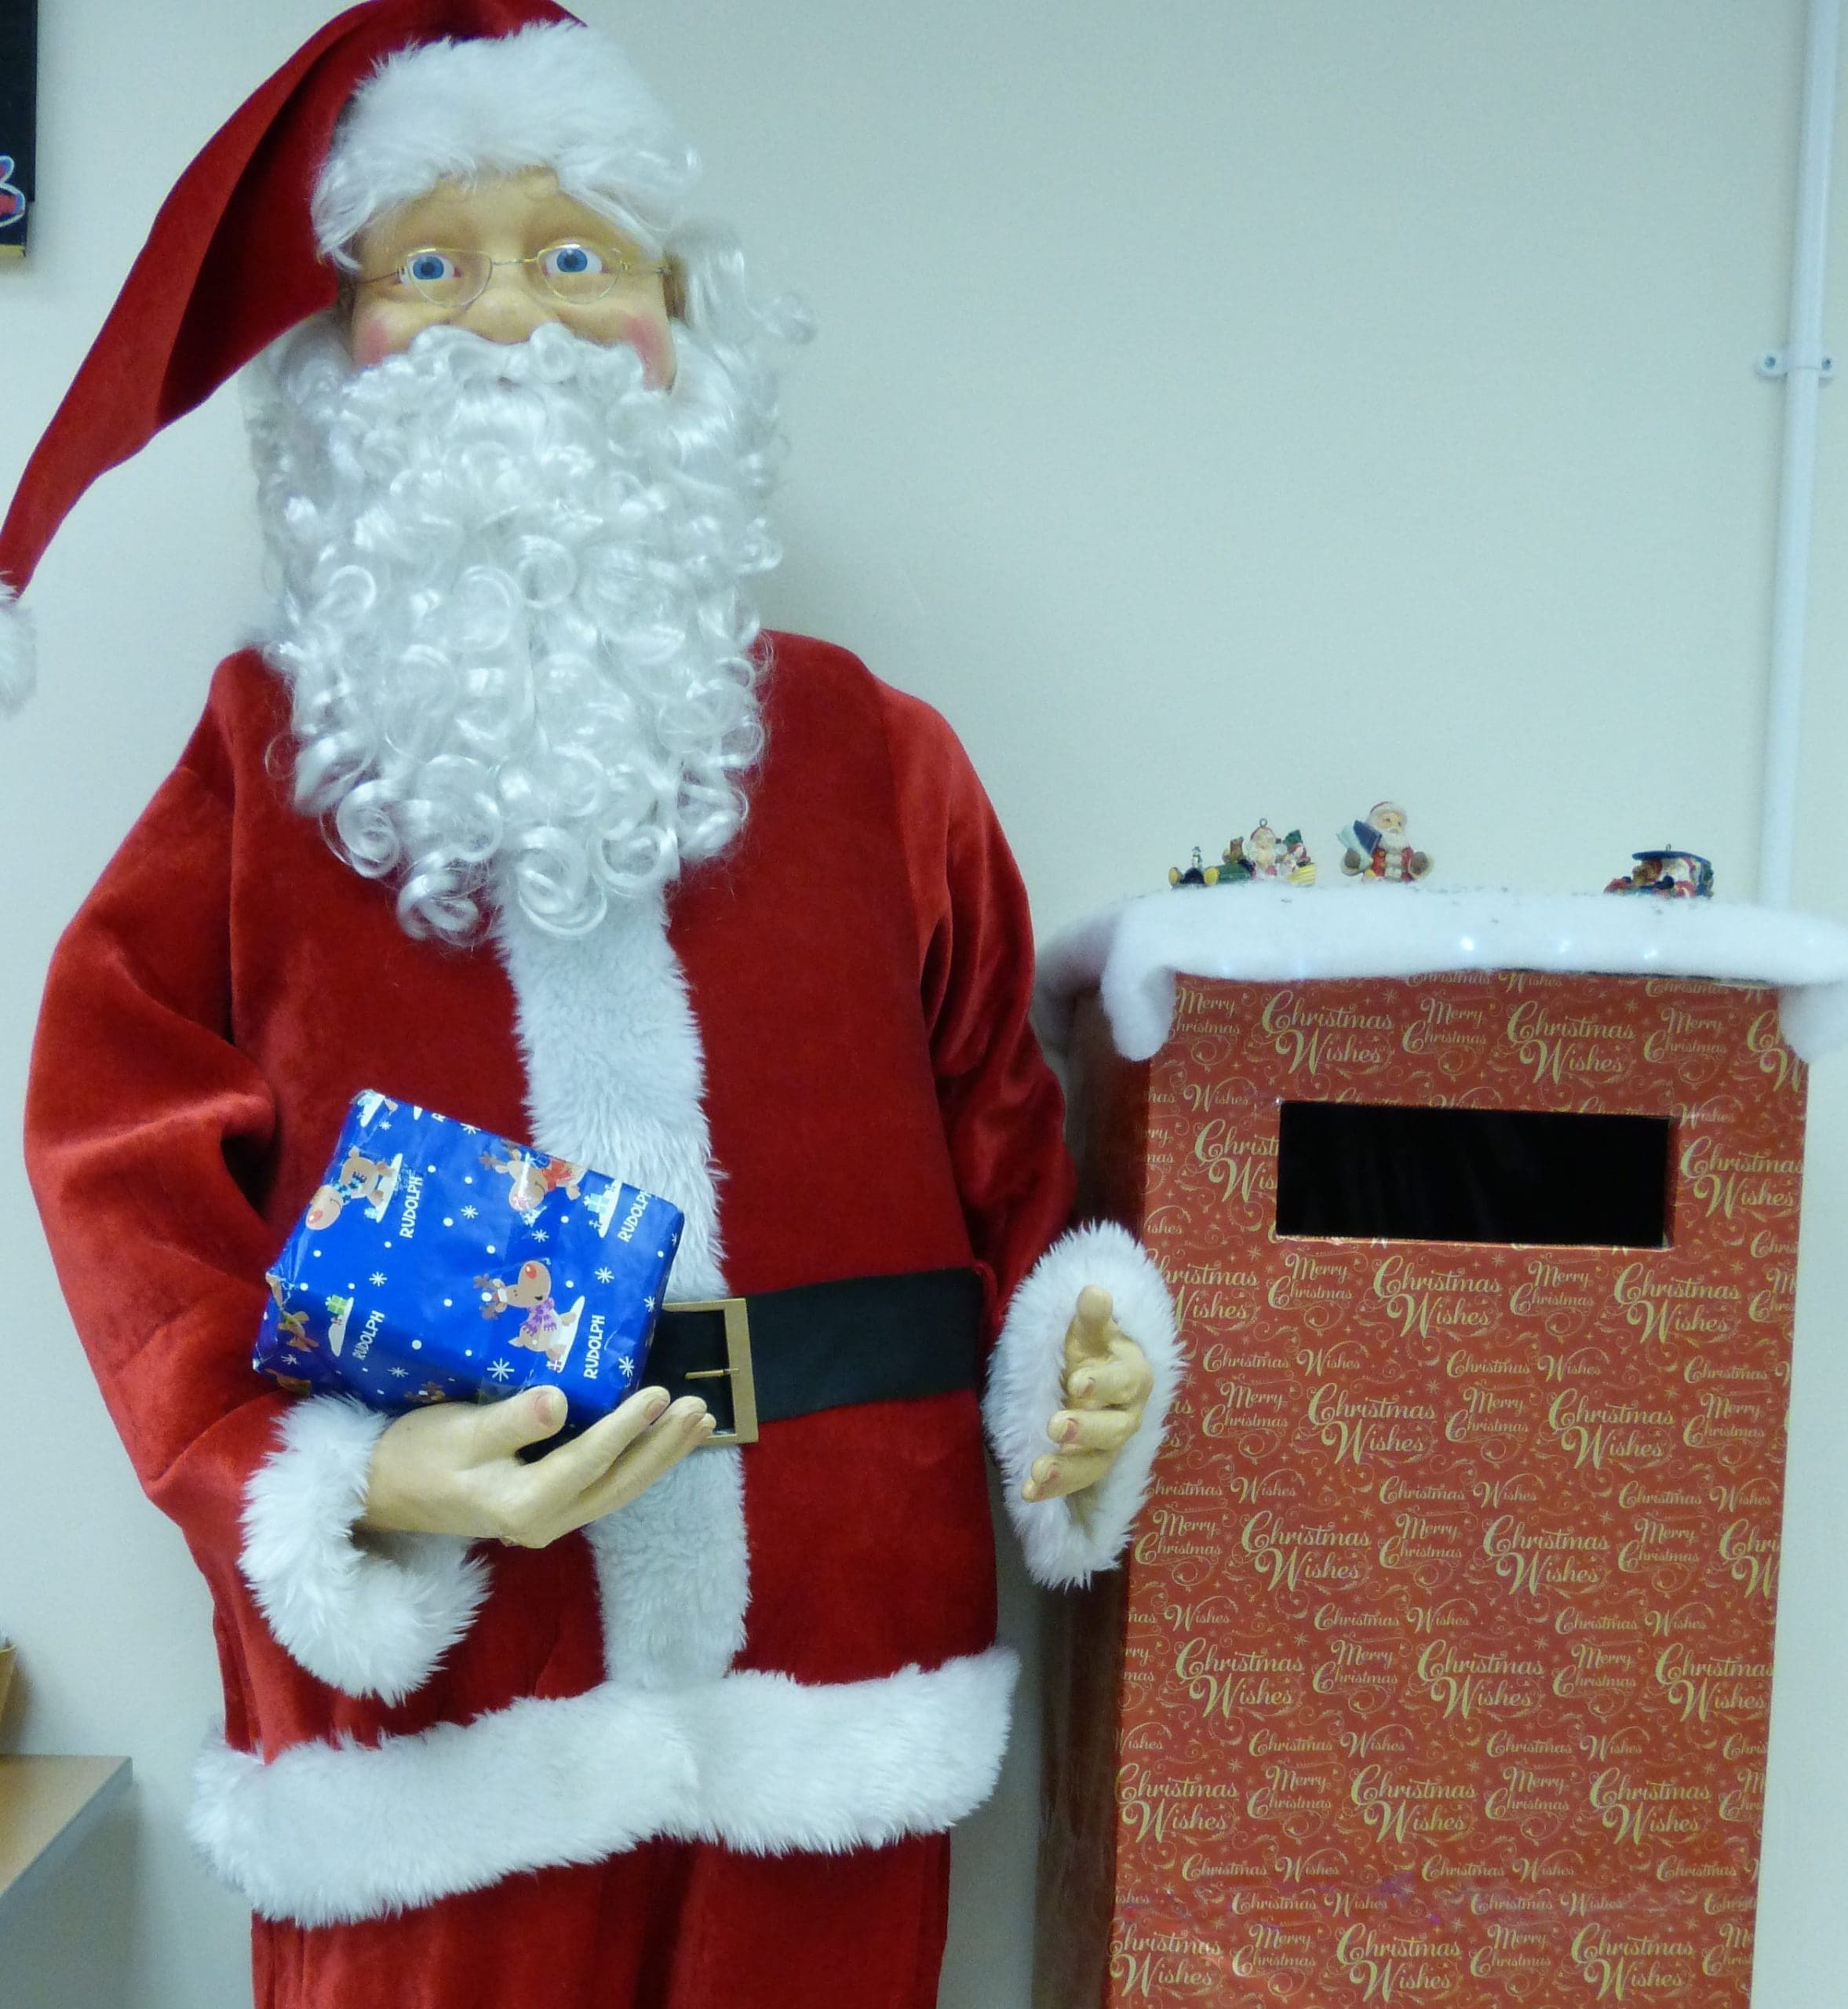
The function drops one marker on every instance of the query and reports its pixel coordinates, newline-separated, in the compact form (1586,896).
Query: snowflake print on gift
(525,1196)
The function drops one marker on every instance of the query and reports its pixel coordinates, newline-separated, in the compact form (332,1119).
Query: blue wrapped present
(439,1263)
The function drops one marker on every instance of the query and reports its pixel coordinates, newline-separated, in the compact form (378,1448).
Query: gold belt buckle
(737,1369)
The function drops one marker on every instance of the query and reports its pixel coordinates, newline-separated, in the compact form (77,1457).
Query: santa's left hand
(1106,1381)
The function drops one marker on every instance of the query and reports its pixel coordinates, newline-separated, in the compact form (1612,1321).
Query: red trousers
(668,1926)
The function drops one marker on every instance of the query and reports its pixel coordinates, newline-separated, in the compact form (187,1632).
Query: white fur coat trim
(615,1079)
(372,1617)
(615,1075)
(327,1833)
(1064,1542)
(554,94)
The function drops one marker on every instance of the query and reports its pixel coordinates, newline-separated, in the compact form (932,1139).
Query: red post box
(1440,1670)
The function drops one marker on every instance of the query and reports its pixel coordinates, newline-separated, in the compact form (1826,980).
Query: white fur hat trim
(18,664)
(553,96)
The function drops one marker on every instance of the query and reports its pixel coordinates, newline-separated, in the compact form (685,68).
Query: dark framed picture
(19,97)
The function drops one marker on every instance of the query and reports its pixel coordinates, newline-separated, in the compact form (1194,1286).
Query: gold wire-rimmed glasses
(576,270)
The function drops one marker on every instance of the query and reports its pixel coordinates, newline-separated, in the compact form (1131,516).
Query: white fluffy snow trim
(369,1618)
(331,1832)
(1264,934)
(19,653)
(554,94)
(1065,1544)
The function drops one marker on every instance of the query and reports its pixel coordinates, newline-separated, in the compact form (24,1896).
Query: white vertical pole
(1802,363)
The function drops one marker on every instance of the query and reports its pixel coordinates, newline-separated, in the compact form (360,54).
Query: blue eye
(572,261)
(425,268)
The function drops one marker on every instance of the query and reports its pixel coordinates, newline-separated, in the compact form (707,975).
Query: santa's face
(503,257)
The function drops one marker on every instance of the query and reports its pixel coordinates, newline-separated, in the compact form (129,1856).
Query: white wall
(1222,408)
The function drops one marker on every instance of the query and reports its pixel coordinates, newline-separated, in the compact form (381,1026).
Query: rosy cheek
(649,340)
(370,339)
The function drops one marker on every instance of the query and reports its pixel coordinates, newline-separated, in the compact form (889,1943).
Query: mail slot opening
(1414,1174)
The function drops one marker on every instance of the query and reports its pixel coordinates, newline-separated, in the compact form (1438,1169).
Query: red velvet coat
(858,966)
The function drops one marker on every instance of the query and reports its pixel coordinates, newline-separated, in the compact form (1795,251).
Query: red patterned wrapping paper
(1440,1668)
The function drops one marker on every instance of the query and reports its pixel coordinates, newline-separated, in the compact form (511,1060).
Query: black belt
(787,1353)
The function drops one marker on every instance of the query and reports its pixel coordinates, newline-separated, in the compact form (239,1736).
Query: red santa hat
(385,101)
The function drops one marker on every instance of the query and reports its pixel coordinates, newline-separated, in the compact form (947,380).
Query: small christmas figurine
(1266,856)
(1375,847)
(1683,875)
(1198,874)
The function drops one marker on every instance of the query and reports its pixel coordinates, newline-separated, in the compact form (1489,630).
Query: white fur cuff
(371,1621)
(1024,1390)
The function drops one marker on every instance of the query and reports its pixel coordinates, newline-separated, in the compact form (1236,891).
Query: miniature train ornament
(1683,875)
(1198,873)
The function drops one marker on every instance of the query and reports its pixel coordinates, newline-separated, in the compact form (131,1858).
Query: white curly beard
(511,610)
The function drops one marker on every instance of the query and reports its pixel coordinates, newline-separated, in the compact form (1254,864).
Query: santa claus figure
(1375,847)
(516,814)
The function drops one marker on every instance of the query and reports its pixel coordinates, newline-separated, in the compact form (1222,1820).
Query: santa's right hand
(454,1468)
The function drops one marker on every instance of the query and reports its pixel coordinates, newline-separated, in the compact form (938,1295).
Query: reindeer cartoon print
(533,1177)
(324,1209)
(293,1325)
(371,1181)
(544,1330)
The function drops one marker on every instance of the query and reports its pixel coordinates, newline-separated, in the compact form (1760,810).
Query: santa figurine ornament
(516,814)
(1375,847)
